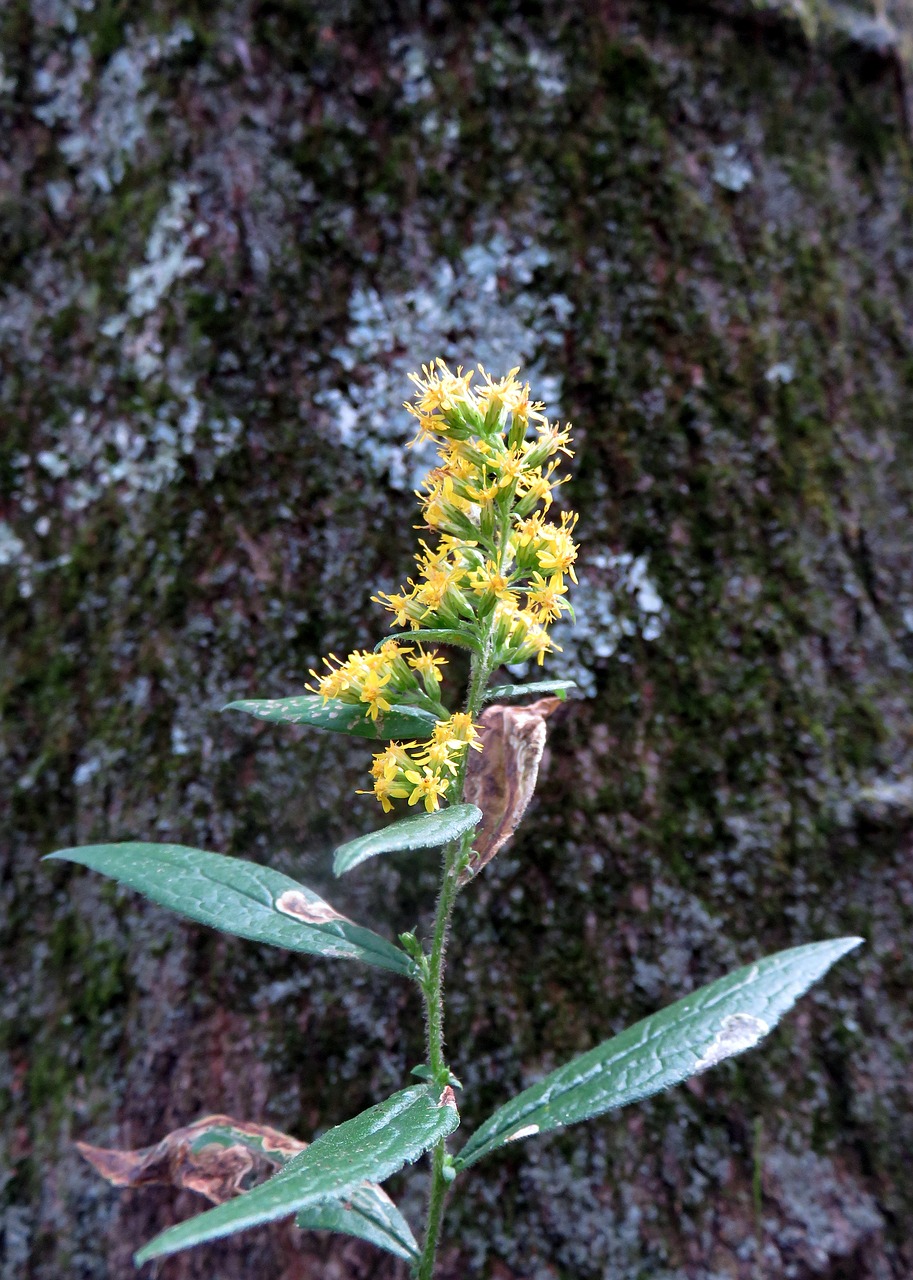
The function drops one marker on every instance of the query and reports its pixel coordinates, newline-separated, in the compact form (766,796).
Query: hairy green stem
(433,989)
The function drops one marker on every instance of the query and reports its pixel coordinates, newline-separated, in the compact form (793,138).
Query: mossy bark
(226,233)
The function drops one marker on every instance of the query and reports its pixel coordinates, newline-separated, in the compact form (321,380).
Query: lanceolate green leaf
(368,1213)
(713,1023)
(511,692)
(370,1147)
(239,897)
(340,717)
(459,638)
(425,831)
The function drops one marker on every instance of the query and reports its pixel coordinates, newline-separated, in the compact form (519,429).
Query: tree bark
(227,231)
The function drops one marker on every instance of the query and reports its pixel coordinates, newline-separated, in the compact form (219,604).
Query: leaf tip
(61,855)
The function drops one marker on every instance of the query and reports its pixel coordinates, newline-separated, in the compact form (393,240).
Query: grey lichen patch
(480,303)
(103,121)
(616,599)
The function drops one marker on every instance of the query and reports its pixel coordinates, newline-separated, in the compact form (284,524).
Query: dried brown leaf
(502,778)
(217,1156)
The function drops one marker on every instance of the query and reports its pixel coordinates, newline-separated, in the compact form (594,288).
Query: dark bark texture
(227,231)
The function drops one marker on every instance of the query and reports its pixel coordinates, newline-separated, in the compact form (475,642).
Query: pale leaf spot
(294,903)
(739,1031)
(526,1132)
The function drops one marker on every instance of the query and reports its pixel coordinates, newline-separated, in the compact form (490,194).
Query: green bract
(427,831)
(339,717)
(513,692)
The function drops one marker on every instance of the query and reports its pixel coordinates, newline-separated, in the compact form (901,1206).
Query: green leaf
(340,717)
(371,1147)
(458,638)
(511,692)
(368,1213)
(711,1024)
(239,897)
(426,831)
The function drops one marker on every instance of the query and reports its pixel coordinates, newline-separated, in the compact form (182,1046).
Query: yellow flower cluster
(374,678)
(423,771)
(497,553)
(494,580)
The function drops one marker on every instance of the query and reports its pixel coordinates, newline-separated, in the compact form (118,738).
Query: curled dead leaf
(502,778)
(217,1156)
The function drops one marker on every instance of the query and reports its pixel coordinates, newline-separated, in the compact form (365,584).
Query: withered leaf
(221,1158)
(502,778)
(217,1156)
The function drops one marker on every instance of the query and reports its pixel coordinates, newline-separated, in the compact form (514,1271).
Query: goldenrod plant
(492,575)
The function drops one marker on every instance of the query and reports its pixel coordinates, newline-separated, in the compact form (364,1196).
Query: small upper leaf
(371,1147)
(426,831)
(462,639)
(239,897)
(368,1213)
(340,717)
(711,1024)
(511,692)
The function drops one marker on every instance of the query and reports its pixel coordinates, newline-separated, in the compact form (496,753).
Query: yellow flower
(427,786)
(536,644)
(426,664)
(556,549)
(528,531)
(371,692)
(458,731)
(335,683)
(484,492)
(386,790)
(442,755)
(486,503)
(507,395)
(392,760)
(399,606)
(544,598)
(491,580)
(433,591)
(440,391)
(510,468)
(551,441)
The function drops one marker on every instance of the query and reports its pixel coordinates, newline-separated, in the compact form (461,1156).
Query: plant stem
(433,990)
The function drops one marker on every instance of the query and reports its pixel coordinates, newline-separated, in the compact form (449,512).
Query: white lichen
(616,598)
(480,303)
